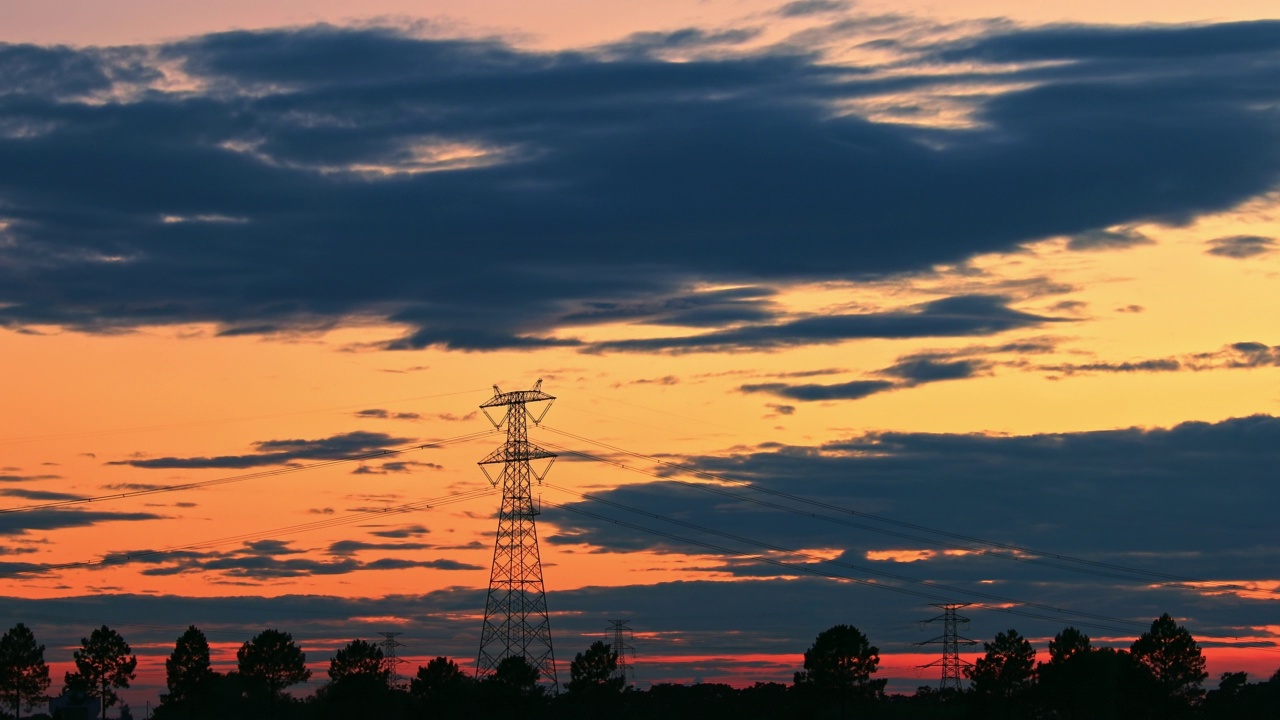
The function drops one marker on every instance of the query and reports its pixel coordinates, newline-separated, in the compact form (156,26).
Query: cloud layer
(486,196)
(1165,501)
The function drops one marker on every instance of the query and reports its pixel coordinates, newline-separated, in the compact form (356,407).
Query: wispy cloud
(1240,247)
(280,452)
(1241,355)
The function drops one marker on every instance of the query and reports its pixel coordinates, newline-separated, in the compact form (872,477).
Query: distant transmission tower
(626,654)
(389,658)
(951,642)
(515,615)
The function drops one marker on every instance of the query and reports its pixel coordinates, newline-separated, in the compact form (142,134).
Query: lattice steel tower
(951,641)
(626,653)
(515,615)
(389,658)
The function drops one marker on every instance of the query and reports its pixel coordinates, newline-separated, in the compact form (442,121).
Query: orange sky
(79,406)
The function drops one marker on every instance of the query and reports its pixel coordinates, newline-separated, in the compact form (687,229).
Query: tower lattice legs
(515,614)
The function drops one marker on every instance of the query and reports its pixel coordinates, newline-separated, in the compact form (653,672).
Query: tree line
(1161,675)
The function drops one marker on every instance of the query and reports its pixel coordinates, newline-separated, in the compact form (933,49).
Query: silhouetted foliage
(928,703)
(594,674)
(360,685)
(1077,682)
(1060,679)
(1173,658)
(188,671)
(1007,668)
(271,662)
(359,662)
(1081,681)
(838,667)
(103,665)
(24,676)
(702,701)
(1002,677)
(1067,644)
(440,684)
(1237,699)
(514,678)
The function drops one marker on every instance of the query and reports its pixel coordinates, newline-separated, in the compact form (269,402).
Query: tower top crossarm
(517,397)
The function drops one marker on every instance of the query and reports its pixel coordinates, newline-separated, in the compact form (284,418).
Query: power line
(222,421)
(1091,619)
(248,476)
(859,568)
(836,520)
(1092,567)
(123,557)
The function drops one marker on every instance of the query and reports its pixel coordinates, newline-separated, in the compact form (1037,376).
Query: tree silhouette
(439,683)
(1074,675)
(361,662)
(515,677)
(271,662)
(188,671)
(593,674)
(103,664)
(359,682)
(1067,644)
(1174,659)
(839,666)
(1237,698)
(1007,669)
(24,676)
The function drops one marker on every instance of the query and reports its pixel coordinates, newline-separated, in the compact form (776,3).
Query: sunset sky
(848,307)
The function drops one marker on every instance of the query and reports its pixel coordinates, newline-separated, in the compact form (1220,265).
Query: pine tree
(103,664)
(1173,657)
(188,669)
(24,676)
(271,662)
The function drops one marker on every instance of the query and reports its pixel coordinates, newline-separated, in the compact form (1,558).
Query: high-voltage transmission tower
(622,646)
(515,615)
(389,657)
(951,641)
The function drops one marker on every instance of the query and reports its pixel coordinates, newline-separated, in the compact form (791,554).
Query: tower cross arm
(515,397)
(516,451)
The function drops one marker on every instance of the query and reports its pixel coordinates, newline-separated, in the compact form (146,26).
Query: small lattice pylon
(621,645)
(950,640)
(390,660)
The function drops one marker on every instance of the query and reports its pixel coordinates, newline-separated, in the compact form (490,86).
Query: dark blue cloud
(1236,356)
(7,478)
(350,547)
(802,8)
(809,392)
(1082,43)
(917,370)
(279,452)
(38,494)
(407,531)
(959,316)
(909,371)
(487,196)
(381,414)
(1121,239)
(1240,247)
(1177,500)
(50,71)
(267,559)
(22,523)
